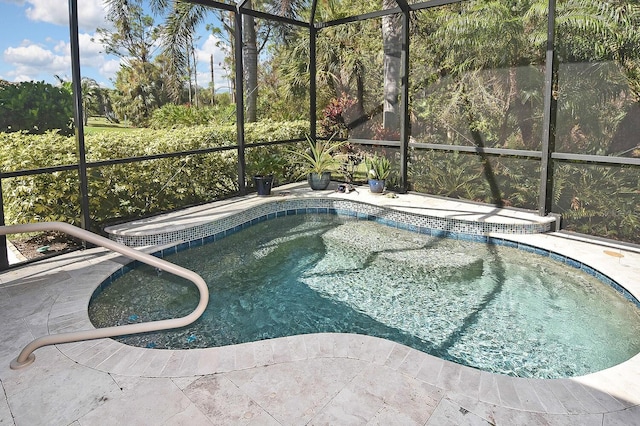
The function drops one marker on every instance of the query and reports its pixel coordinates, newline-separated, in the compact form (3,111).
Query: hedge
(124,191)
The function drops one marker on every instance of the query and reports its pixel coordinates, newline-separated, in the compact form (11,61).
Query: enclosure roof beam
(432,3)
(252,12)
(271,17)
(356,18)
(214,4)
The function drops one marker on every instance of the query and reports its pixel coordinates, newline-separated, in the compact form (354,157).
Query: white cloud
(91,50)
(109,68)
(211,46)
(90,47)
(91,13)
(203,54)
(30,60)
(30,56)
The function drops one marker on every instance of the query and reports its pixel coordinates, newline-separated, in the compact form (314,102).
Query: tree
(92,97)
(250,59)
(178,33)
(392,46)
(35,107)
(180,27)
(139,91)
(134,34)
(226,42)
(139,82)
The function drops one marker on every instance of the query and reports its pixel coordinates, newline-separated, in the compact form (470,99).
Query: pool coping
(613,389)
(415,210)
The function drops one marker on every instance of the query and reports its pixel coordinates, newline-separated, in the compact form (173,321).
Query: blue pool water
(491,307)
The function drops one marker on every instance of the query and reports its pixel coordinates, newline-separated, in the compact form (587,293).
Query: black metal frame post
(549,119)
(4,255)
(313,72)
(242,187)
(405,131)
(313,34)
(78,113)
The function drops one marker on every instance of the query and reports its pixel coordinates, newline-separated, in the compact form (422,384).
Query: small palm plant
(378,169)
(319,159)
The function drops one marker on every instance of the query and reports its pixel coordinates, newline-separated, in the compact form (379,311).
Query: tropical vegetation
(122,191)
(35,107)
(476,80)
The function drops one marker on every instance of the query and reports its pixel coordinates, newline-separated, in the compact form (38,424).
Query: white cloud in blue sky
(91,13)
(35,40)
(34,43)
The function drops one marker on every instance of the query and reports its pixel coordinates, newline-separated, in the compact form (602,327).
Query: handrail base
(16,365)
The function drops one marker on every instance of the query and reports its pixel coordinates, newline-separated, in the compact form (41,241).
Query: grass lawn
(101,124)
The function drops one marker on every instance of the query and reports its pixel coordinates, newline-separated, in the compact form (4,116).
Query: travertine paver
(311,379)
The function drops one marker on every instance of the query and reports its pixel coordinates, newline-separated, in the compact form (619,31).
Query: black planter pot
(263,184)
(319,181)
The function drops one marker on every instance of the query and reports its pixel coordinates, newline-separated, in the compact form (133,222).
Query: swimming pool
(487,306)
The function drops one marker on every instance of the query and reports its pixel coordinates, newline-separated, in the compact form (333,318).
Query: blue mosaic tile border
(234,226)
(265,211)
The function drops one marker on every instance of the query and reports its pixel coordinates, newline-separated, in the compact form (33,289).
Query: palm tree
(177,40)
(250,59)
(91,95)
(392,45)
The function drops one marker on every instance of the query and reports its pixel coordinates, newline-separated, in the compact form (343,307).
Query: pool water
(495,308)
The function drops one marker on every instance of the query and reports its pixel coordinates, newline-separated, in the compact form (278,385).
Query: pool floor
(491,307)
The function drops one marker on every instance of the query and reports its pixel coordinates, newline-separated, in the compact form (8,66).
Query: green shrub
(171,116)
(35,107)
(124,191)
(597,200)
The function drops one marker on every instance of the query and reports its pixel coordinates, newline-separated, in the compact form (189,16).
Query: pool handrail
(26,356)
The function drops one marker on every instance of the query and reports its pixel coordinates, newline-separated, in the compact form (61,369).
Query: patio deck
(311,379)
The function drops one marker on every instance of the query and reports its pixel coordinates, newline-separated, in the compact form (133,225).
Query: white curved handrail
(26,356)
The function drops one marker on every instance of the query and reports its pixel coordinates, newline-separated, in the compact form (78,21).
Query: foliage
(377,167)
(95,100)
(170,116)
(335,116)
(453,175)
(274,159)
(139,91)
(320,156)
(134,34)
(35,107)
(123,191)
(599,200)
(267,162)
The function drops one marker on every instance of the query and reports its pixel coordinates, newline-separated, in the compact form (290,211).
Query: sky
(34,44)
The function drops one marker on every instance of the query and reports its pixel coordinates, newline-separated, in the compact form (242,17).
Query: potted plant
(265,167)
(378,169)
(263,183)
(318,161)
